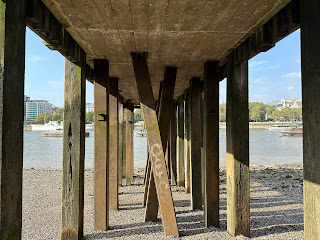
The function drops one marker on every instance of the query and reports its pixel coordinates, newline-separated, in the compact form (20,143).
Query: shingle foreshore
(275,203)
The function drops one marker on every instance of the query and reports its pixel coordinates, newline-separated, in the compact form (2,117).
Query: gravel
(275,202)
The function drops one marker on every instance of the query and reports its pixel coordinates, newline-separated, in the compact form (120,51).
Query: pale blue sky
(272,75)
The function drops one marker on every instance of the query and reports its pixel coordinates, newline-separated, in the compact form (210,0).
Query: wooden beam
(187,143)
(73,150)
(238,183)
(195,148)
(113,152)
(180,144)
(12,64)
(165,103)
(100,145)
(211,143)
(129,142)
(310,37)
(124,142)
(173,145)
(120,142)
(155,143)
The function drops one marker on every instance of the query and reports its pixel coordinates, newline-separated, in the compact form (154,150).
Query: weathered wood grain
(100,145)
(238,182)
(310,37)
(129,143)
(73,150)
(187,143)
(12,64)
(180,144)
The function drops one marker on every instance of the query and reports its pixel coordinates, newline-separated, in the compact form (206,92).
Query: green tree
(90,117)
(58,116)
(47,118)
(222,112)
(138,115)
(39,119)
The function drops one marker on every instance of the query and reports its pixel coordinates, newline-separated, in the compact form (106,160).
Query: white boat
(281,127)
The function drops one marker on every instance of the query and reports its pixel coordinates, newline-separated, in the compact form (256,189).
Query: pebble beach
(276,205)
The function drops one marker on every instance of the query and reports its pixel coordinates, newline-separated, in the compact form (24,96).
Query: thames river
(266,148)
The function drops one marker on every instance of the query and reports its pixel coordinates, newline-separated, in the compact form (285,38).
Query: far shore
(262,125)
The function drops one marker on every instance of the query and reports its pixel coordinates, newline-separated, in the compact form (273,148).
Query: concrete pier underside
(183,33)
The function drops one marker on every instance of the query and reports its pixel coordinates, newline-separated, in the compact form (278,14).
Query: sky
(273,75)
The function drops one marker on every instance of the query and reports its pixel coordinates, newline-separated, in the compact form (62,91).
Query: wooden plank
(113,153)
(120,142)
(310,38)
(165,103)
(211,143)
(187,143)
(12,64)
(238,183)
(155,144)
(129,143)
(73,150)
(100,145)
(195,148)
(173,145)
(180,144)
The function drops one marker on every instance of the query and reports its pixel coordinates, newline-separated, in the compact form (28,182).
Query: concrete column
(180,144)
(101,68)
(129,143)
(195,148)
(310,38)
(73,150)
(12,63)
(238,182)
(113,142)
(211,143)
(187,144)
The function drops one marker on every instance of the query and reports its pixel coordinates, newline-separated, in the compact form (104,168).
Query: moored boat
(296,132)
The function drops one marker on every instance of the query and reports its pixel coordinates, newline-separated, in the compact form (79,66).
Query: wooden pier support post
(173,146)
(129,142)
(180,144)
(12,64)
(112,105)
(155,144)
(101,68)
(187,143)
(73,150)
(120,142)
(310,51)
(124,142)
(238,182)
(195,148)
(211,143)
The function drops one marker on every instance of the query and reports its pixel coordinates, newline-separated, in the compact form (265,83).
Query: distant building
(282,103)
(89,107)
(32,108)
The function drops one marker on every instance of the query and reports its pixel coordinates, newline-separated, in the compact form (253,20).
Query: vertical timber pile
(12,50)
(155,143)
(124,142)
(310,51)
(112,105)
(238,182)
(211,143)
(173,145)
(195,148)
(101,68)
(180,144)
(73,149)
(120,142)
(187,143)
(129,142)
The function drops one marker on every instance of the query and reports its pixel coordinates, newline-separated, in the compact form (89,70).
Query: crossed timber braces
(159,180)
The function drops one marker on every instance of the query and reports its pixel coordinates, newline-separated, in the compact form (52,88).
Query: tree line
(58,116)
(260,112)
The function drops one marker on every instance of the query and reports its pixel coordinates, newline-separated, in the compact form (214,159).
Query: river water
(266,148)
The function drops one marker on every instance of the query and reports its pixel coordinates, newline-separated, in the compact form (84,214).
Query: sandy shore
(276,208)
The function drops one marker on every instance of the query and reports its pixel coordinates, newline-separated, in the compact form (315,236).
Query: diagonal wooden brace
(157,160)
